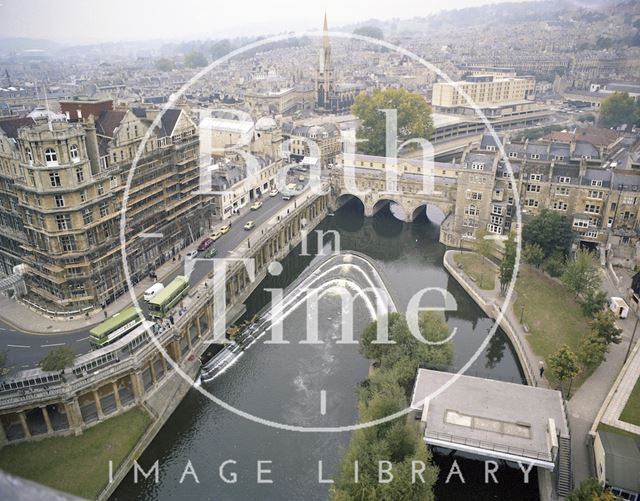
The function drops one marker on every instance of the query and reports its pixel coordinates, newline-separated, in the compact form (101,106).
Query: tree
(484,246)
(564,366)
(57,359)
(369,31)
(554,265)
(592,352)
(617,109)
(590,490)
(508,263)
(551,231)
(604,327)
(581,276)
(164,64)
(195,59)
(593,302)
(413,114)
(220,48)
(533,254)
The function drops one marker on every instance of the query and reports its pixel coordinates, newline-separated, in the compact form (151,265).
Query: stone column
(74,416)
(96,398)
(116,395)
(137,385)
(25,426)
(3,435)
(47,420)
(153,371)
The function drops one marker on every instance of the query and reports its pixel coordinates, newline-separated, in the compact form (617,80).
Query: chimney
(92,144)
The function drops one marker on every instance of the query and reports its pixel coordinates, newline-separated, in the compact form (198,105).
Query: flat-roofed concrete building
(493,419)
(483,90)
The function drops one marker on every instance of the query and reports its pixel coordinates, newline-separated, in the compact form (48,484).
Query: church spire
(325,29)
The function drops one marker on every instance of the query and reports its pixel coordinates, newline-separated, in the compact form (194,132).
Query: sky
(91,21)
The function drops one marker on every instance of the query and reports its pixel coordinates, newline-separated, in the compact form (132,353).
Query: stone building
(322,141)
(62,190)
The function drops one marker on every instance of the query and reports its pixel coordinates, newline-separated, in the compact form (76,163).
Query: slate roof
(11,125)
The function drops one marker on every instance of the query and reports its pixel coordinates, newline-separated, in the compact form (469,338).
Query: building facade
(63,183)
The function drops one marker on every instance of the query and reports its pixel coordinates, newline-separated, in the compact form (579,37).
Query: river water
(314,385)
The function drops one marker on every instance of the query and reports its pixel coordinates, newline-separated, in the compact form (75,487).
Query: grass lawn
(613,429)
(552,315)
(483,273)
(78,465)
(631,412)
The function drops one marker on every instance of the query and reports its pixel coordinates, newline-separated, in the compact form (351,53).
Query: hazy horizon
(85,22)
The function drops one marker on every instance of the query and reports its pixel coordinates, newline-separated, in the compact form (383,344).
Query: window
(477,166)
(591,234)
(562,190)
(496,220)
(471,210)
(79,174)
(535,177)
(87,216)
(497,209)
(535,156)
(50,156)
(564,179)
(558,157)
(474,195)
(83,196)
(560,205)
(63,221)
(596,182)
(54,177)
(100,189)
(580,223)
(67,243)
(513,154)
(592,209)
(32,178)
(114,182)
(493,228)
(535,188)
(73,153)
(596,194)
(531,202)
(59,200)
(104,209)
(29,155)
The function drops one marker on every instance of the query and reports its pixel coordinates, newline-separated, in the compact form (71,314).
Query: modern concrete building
(483,90)
(618,463)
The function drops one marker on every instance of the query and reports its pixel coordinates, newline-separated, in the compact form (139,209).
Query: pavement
(586,402)
(27,335)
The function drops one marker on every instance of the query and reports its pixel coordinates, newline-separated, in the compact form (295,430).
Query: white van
(150,293)
(619,306)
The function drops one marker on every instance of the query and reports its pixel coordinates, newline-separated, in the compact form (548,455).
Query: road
(25,351)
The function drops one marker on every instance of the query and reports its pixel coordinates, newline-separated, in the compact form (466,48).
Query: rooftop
(488,417)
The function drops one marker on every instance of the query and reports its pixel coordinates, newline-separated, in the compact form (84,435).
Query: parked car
(256,205)
(224,229)
(287,197)
(152,291)
(301,179)
(215,236)
(205,244)
(249,225)
(273,193)
(192,254)
(210,253)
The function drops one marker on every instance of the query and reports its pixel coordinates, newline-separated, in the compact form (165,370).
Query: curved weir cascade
(293,383)
(348,275)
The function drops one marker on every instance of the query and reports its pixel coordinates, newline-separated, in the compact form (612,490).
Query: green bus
(115,327)
(168,297)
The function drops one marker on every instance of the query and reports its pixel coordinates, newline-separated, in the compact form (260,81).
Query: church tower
(324,74)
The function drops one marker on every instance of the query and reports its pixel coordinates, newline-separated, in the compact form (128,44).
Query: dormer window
(50,156)
(73,153)
(535,156)
(513,154)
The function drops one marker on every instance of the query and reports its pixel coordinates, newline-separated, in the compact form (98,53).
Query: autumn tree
(617,109)
(564,366)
